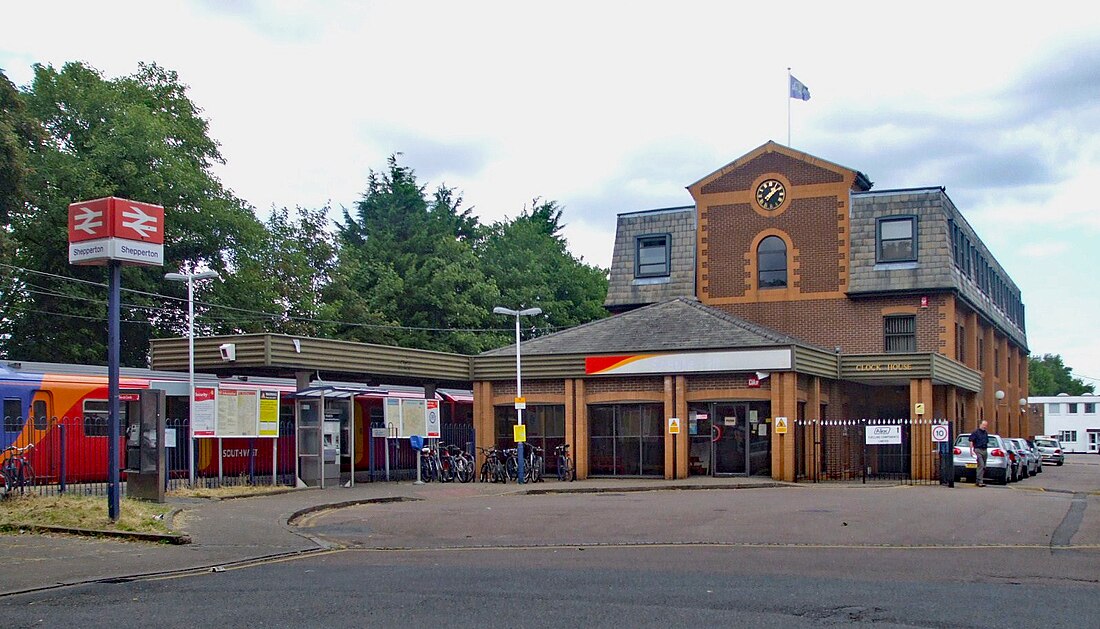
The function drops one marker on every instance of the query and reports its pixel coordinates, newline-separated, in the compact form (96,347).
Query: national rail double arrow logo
(88,220)
(143,224)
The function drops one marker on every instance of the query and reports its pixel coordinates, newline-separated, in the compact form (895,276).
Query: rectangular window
(1067,435)
(901,334)
(1054,408)
(1090,408)
(39,415)
(13,415)
(897,239)
(653,256)
(95,417)
(996,362)
(960,343)
(1072,408)
(981,354)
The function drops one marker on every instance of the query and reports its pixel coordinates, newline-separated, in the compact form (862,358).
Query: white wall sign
(883,435)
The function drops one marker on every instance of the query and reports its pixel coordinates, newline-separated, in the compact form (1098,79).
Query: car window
(1046,443)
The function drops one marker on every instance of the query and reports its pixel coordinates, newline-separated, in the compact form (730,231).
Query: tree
(407,271)
(284,276)
(528,259)
(1048,376)
(137,137)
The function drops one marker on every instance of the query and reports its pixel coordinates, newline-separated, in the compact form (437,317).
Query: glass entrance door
(729,438)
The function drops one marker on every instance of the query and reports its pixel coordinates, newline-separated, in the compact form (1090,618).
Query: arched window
(771,263)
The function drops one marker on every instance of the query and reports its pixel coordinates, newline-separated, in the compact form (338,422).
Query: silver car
(1026,459)
(1050,450)
(1034,461)
(998,465)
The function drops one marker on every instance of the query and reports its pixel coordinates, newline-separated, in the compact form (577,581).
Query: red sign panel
(89,220)
(754,382)
(112,217)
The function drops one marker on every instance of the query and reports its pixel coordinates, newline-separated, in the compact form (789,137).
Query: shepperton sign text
(116,229)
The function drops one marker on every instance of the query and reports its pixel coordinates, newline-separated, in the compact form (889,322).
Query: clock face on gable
(770,194)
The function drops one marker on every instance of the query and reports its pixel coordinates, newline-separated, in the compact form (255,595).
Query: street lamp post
(190,279)
(519,380)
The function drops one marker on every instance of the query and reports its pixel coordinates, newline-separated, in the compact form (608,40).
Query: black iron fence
(399,463)
(896,450)
(70,457)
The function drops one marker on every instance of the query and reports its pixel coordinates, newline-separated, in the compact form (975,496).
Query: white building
(1073,419)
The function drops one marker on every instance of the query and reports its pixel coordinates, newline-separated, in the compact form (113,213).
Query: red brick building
(790,292)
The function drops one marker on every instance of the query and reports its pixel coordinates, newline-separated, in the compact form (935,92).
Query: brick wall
(595,386)
(812,225)
(855,325)
(530,387)
(721,382)
(797,171)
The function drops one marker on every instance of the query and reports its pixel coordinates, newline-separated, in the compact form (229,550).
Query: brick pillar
(484,422)
(570,417)
(683,439)
(989,402)
(669,440)
(813,412)
(920,431)
(784,404)
(580,456)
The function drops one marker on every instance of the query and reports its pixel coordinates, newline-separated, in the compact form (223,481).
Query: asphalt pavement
(231,533)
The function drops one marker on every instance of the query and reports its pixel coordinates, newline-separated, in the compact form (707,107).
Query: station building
(791,291)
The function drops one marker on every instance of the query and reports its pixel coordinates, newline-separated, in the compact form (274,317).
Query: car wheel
(1060,463)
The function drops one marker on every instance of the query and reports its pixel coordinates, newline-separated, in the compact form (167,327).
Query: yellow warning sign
(521,403)
(919,408)
(519,431)
(780,425)
(673,425)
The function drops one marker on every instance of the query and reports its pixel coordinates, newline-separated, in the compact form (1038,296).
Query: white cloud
(613,106)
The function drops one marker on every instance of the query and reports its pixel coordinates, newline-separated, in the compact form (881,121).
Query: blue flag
(799,89)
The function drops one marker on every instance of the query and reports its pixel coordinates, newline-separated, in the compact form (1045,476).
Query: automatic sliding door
(730,442)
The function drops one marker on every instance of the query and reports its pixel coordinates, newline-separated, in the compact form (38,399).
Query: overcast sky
(612,107)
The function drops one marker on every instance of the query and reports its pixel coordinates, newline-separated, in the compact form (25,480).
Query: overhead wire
(257,315)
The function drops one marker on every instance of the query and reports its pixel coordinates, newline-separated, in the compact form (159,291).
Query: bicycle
(492,469)
(17,471)
(565,463)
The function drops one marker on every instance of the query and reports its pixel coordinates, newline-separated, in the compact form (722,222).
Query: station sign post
(115,232)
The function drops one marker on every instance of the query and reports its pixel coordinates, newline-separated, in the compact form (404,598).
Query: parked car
(998,465)
(1018,458)
(1050,450)
(1032,463)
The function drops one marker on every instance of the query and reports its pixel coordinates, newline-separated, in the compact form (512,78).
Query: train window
(40,416)
(13,416)
(95,417)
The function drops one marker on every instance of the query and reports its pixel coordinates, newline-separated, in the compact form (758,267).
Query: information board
(204,412)
(269,413)
(410,417)
(883,435)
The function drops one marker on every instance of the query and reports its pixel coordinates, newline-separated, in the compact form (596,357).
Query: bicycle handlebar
(18,450)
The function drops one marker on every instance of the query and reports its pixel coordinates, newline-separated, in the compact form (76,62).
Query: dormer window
(653,256)
(897,239)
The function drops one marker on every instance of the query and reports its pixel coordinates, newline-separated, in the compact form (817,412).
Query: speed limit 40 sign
(939,433)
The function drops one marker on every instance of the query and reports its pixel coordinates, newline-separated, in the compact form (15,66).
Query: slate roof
(673,325)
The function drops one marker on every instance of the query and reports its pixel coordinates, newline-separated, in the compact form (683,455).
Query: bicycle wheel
(26,478)
(512,467)
(425,469)
(464,471)
(485,471)
(499,473)
(539,469)
(5,483)
(570,473)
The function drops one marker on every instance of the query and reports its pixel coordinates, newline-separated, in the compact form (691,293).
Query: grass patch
(84,512)
(232,491)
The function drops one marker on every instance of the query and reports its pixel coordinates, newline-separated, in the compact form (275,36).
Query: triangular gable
(799,167)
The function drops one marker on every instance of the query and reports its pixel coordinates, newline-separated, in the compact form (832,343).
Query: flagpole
(788,107)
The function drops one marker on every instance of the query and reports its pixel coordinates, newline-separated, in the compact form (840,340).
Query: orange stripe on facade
(594,365)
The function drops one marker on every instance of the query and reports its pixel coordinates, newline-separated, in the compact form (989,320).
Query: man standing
(979,444)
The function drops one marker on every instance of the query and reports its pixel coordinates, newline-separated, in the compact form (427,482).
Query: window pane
(771,262)
(892,230)
(13,416)
(652,255)
(38,412)
(897,250)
